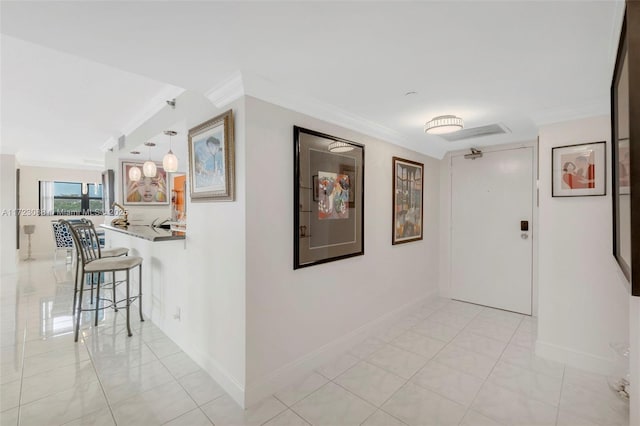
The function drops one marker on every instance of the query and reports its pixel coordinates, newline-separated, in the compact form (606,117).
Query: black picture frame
(585,185)
(625,151)
(328,222)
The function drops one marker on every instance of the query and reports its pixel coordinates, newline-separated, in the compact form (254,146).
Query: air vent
(476,132)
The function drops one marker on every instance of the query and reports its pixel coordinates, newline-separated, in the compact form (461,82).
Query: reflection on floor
(449,363)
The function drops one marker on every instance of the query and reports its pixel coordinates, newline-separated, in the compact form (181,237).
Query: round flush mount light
(338,146)
(443,124)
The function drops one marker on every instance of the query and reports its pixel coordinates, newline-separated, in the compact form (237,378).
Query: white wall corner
(155,105)
(574,358)
(235,389)
(227,91)
(289,373)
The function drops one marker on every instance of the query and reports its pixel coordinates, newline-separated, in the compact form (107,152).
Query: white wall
(8,252)
(583,305)
(296,318)
(211,287)
(42,241)
(634,361)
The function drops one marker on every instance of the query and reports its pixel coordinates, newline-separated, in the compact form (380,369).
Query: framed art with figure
(408,178)
(328,197)
(579,170)
(212,159)
(146,191)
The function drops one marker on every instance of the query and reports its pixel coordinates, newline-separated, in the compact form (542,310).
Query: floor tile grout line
(24,344)
(104,393)
(560,397)
(486,380)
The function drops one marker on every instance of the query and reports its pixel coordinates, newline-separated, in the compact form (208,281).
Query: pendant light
(134,172)
(170,161)
(149,167)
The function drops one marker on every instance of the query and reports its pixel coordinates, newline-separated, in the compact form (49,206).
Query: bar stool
(87,245)
(62,230)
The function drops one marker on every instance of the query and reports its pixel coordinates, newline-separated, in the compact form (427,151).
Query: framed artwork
(147,191)
(625,133)
(212,159)
(408,180)
(328,188)
(579,170)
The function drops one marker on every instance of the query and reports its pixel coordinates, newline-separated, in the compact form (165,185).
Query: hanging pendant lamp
(170,161)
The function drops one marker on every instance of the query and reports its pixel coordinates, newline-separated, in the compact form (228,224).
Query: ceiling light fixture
(170,161)
(443,124)
(338,146)
(149,167)
(134,172)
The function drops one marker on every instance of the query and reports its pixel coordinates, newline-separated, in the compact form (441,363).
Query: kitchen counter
(147,232)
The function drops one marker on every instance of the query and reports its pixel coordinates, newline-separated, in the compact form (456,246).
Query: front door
(491,223)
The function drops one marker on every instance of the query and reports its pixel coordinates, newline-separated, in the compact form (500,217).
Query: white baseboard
(300,367)
(574,358)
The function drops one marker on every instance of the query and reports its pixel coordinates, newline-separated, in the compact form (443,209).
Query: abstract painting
(579,170)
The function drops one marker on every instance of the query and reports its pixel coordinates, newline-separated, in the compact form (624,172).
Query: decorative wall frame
(408,201)
(579,170)
(147,191)
(625,150)
(212,159)
(328,200)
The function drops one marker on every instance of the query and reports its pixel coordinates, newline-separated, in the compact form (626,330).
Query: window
(70,198)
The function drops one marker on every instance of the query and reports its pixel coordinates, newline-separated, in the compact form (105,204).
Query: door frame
(446,248)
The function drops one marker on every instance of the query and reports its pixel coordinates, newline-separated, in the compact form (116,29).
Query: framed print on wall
(408,180)
(148,191)
(328,188)
(212,159)
(579,170)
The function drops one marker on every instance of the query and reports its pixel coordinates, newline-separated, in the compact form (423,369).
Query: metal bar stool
(87,245)
(61,229)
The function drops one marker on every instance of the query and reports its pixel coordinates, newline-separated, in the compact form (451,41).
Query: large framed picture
(328,188)
(212,159)
(625,150)
(579,170)
(147,191)
(408,180)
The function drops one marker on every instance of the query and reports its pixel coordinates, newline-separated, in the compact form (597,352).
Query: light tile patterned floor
(449,363)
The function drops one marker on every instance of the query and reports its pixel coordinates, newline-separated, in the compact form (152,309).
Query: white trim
(587,108)
(300,367)
(235,390)
(575,358)
(227,91)
(153,107)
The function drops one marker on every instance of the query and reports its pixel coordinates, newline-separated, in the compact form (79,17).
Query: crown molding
(152,107)
(35,160)
(590,108)
(227,91)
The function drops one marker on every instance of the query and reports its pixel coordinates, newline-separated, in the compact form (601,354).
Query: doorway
(491,229)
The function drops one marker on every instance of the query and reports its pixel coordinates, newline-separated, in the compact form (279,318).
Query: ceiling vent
(476,132)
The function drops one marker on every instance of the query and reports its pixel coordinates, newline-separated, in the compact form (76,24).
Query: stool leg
(97,300)
(91,298)
(75,286)
(113,283)
(128,303)
(140,291)
(79,311)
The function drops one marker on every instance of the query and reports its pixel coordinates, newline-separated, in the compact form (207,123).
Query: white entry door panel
(491,257)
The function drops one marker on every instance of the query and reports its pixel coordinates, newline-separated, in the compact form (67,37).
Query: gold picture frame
(212,159)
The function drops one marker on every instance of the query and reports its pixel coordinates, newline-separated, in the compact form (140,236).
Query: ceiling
(75,74)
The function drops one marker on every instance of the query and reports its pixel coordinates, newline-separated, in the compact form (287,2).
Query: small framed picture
(408,178)
(147,191)
(579,170)
(212,159)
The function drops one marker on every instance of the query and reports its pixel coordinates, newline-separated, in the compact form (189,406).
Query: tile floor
(449,363)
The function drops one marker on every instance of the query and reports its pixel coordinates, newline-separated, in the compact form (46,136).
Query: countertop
(146,232)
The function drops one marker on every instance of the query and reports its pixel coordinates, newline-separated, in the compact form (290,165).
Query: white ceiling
(517,63)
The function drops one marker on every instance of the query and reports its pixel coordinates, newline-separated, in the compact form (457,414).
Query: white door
(491,205)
